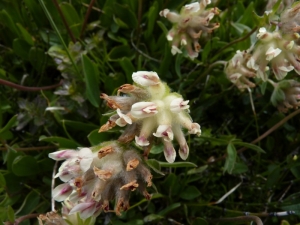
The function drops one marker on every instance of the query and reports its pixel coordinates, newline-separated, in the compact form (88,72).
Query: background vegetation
(56,57)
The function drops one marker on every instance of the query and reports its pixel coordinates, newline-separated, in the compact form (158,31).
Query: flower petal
(195,129)
(143,109)
(169,151)
(177,105)
(86,209)
(63,154)
(145,78)
(165,132)
(141,141)
(61,192)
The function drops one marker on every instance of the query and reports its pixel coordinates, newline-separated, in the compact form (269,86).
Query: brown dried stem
(24,88)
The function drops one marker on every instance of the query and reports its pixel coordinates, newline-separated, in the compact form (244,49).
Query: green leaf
(197,170)
(11,123)
(128,68)
(96,138)
(248,145)
(190,192)
(25,166)
(157,149)
(230,159)
(80,126)
(24,33)
(2,182)
(29,204)
(153,218)
(118,52)
(152,15)
(170,208)
(177,164)
(200,221)
(72,18)
(124,13)
(63,142)
(21,48)
(91,74)
(163,27)
(7,21)
(10,214)
(37,58)
(155,166)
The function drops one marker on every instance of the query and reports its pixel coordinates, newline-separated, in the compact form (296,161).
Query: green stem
(59,35)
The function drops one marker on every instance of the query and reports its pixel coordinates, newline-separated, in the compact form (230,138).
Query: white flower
(63,154)
(252,64)
(145,78)
(272,53)
(193,7)
(261,32)
(175,50)
(164,13)
(177,105)
(141,141)
(123,120)
(169,151)
(86,209)
(143,109)
(165,132)
(61,192)
(195,129)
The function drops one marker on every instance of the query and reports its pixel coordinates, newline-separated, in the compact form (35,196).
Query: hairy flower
(188,25)
(112,173)
(154,112)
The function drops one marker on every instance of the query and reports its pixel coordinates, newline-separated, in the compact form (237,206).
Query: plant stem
(256,219)
(86,17)
(275,127)
(31,148)
(24,88)
(64,21)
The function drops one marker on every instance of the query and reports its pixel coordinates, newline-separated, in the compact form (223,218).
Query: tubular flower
(273,51)
(188,26)
(277,51)
(238,72)
(148,109)
(286,95)
(112,173)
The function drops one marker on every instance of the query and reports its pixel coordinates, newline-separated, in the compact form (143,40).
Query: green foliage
(117,39)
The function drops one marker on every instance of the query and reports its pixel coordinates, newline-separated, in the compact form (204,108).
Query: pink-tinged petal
(164,131)
(143,109)
(169,151)
(61,192)
(86,209)
(63,154)
(184,151)
(177,105)
(195,129)
(85,164)
(145,78)
(141,141)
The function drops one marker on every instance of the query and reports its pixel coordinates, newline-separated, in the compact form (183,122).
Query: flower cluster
(188,26)
(286,95)
(149,109)
(94,176)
